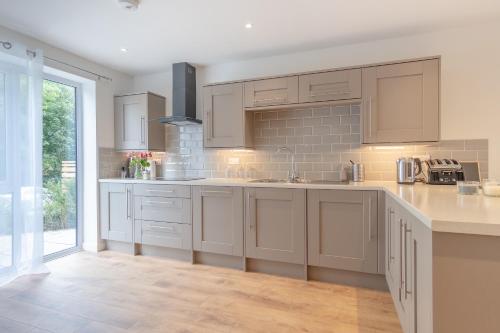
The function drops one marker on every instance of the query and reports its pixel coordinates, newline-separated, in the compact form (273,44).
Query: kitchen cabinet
(330,86)
(342,229)
(162,215)
(116,212)
(278,91)
(136,122)
(275,224)
(401,102)
(225,123)
(409,268)
(218,220)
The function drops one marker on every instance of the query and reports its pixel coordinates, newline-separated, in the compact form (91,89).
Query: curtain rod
(8,46)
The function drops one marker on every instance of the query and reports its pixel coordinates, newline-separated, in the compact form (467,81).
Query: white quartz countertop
(437,206)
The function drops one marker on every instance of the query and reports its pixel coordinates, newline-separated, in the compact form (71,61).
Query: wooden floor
(111,292)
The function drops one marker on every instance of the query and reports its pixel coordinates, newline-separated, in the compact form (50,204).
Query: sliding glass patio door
(61,166)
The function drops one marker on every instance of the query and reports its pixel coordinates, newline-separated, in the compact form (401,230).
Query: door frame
(79,164)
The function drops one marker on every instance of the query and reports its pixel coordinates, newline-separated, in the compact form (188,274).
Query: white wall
(470,81)
(105,90)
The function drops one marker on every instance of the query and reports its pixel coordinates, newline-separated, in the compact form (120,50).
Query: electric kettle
(408,168)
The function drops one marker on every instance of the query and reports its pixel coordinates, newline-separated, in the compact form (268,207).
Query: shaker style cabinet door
(401,102)
(116,212)
(330,86)
(224,122)
(279,91)
(131,122)
(275,224)
(218,220)
(342,229)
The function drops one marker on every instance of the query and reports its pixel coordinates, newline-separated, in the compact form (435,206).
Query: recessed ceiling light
(124,50)
(248,25)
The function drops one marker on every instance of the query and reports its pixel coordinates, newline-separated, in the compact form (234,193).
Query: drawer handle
(165,229)
(152,203)
(161,191)
(216,192)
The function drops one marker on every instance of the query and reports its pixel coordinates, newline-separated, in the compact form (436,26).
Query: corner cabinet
(342,229)
(218,220)
(401,102)
(409,268)
(225,122)
(275,224)
(116,212)
(136,122)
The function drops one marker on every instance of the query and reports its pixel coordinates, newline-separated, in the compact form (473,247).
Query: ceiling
(205,32)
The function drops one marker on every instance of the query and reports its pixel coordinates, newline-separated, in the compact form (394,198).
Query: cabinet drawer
(269,92)
(330,86)
(169,191)
(176,210)
(172,235)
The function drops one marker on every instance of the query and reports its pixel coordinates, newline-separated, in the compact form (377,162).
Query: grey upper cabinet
(116,212)
(275,222)
(136,122)
(401,102)
(342,229)
(279,91)
(330,86)
(218,220)
(225,123)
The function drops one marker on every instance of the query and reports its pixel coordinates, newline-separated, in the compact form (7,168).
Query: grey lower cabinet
(409,268)
(218,220)
(342,229)
(225,122)
(116,212)
(162,216)
(401,102)
(275,224)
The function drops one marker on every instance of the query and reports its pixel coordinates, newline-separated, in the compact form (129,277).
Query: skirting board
(356,279)
(294,271)
(219,260)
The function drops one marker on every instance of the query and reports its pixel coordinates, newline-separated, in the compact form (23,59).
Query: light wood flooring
(111,292)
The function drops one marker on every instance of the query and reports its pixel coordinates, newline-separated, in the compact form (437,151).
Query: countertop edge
(436,225)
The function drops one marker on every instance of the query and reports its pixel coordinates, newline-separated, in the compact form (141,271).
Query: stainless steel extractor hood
(183,96)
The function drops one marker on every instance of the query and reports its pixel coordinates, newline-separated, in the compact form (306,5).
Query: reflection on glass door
(60,167)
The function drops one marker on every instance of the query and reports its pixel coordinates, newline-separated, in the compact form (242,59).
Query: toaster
(443,171)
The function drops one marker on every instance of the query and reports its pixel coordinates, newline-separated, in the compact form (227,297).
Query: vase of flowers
(139,162)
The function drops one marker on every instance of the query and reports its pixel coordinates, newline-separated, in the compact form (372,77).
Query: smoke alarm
(129,4)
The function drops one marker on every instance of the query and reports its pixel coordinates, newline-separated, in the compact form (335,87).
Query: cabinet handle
(401,248)
(407,231)
(165,229)
(209,125)
(370,219)
(391,213)
(143,129)
(129,214)
(161,191)
(370,117)
(249,213)
(153,203)
(266,100)
(216,192)
(330,93)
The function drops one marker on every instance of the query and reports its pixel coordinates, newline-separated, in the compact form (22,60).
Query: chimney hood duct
(183,96)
